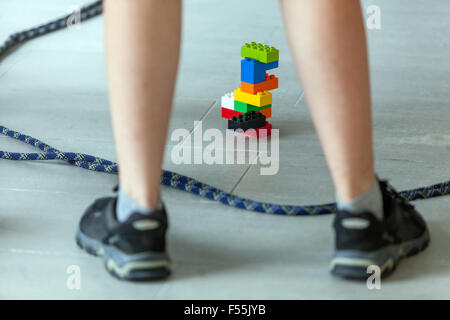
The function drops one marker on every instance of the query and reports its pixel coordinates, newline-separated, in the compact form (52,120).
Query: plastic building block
(246,107)
(260,52)
(228,113)
(266,112)
(249,106)
(247,121)
(253,71)
(260,99)
(228,101)
(241,107)
(271,83)
(263,131)
(256,108)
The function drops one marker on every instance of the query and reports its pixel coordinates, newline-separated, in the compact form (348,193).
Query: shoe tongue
(388,199)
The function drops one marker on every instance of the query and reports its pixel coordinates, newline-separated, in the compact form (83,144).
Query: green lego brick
(245,107)
(256,108)
(240,106)
(259,52)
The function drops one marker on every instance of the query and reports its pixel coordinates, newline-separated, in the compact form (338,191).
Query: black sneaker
(131,250)
(363,240)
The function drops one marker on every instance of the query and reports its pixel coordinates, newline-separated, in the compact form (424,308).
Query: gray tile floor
(54,88)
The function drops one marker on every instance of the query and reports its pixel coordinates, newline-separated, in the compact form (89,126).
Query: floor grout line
(245,173)
(13,64)
(300,98)
(42,252)
(200,120)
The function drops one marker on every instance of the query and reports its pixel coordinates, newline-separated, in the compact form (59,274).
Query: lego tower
(250,105)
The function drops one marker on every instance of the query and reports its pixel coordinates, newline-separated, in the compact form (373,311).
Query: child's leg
(373,226)
(142,49)
(328,43)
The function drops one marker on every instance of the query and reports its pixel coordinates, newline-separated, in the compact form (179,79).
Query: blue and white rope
(15,39)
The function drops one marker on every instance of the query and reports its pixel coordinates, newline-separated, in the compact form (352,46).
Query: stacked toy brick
(250,105)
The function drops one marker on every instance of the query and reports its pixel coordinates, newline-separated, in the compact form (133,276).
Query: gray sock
(371,200)
(126,206)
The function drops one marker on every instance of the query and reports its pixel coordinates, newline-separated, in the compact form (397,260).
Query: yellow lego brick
(260,99)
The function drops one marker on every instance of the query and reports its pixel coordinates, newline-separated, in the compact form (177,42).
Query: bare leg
(142,48)
(328,43)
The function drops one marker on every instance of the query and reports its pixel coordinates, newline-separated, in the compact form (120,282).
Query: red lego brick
(228,113)
(266,132)
(271,83)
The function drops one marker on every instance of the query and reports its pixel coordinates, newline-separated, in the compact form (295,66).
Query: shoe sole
(352,264)
(133,267)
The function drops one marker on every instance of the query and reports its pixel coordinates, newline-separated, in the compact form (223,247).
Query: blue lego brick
(253,71)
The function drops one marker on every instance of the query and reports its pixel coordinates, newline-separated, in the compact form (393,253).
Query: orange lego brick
(271,83)
(267,112)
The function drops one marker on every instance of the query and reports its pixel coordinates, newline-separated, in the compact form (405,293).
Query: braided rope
(191,185)
(15,39)
(168,178)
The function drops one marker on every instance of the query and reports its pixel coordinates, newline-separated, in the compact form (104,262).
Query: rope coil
(168,178)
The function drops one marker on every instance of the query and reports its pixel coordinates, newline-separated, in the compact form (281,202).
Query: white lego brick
(228,101)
